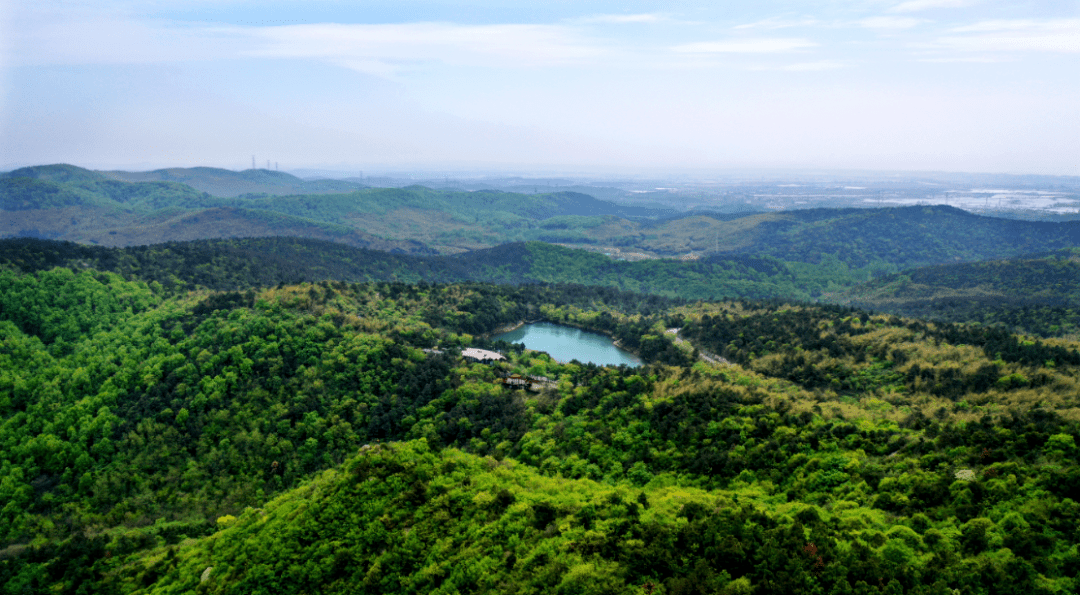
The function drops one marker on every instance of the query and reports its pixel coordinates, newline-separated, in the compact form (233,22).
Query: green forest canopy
(299,438)
(1036,294)
(262,262)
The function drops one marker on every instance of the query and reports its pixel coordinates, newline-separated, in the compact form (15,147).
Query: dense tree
(309,437)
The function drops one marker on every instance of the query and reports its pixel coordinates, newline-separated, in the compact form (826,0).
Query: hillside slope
(908,236)
(228,183)
(151,435)
(1036,295)
(262,262)
(1039,294)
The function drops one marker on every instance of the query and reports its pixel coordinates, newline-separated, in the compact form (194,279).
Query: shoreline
(513,327)
(614,341)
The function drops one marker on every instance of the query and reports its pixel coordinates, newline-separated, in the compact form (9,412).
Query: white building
(481,355)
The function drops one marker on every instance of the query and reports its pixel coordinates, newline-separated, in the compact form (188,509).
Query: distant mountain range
(70,203)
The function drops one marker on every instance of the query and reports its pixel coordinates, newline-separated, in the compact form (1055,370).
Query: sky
(557,86)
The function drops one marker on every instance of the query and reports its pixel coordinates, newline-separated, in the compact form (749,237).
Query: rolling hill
(1038,294)
(228,183)
(908,236)
(264,262)
(69,203)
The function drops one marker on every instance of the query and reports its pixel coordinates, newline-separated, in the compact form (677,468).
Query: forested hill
(209,180)
(1039,294)
(56,187)
(906,236)
(228,183)
(1036,295)
(310,438)
(264,262)
(69,203)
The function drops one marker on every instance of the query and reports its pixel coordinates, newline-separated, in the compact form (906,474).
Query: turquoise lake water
(566,343)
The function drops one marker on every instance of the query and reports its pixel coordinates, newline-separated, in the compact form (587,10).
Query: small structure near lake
(515,381)
(530,383)
(481,355)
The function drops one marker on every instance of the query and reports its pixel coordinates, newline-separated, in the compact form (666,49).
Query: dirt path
(712,358)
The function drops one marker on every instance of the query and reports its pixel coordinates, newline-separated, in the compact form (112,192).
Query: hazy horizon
(600,88)
(569,174)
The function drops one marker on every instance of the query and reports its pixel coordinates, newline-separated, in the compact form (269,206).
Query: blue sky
(588,87)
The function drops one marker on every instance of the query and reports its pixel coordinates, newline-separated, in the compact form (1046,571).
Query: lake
(565,343)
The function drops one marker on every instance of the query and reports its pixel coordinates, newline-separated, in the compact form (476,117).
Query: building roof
(481,354)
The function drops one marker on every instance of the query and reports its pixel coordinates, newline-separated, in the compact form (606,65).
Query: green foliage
(1035,294)
(61,305)
(228,183)
(57,186)
(18,194)
(839,348)
(909,236)
(300,439)
(404,518)
(60,173)
(237,264)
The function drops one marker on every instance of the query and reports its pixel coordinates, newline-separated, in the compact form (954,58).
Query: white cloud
(997,25)
(113,40)
(839,92)
(817,66)
(779,23)
(1058,35)
(762,45)
(619,19)
(814,66)
(878,22)
(888,22)
(966,59)
(917,5)
(380,49)
(383,49)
